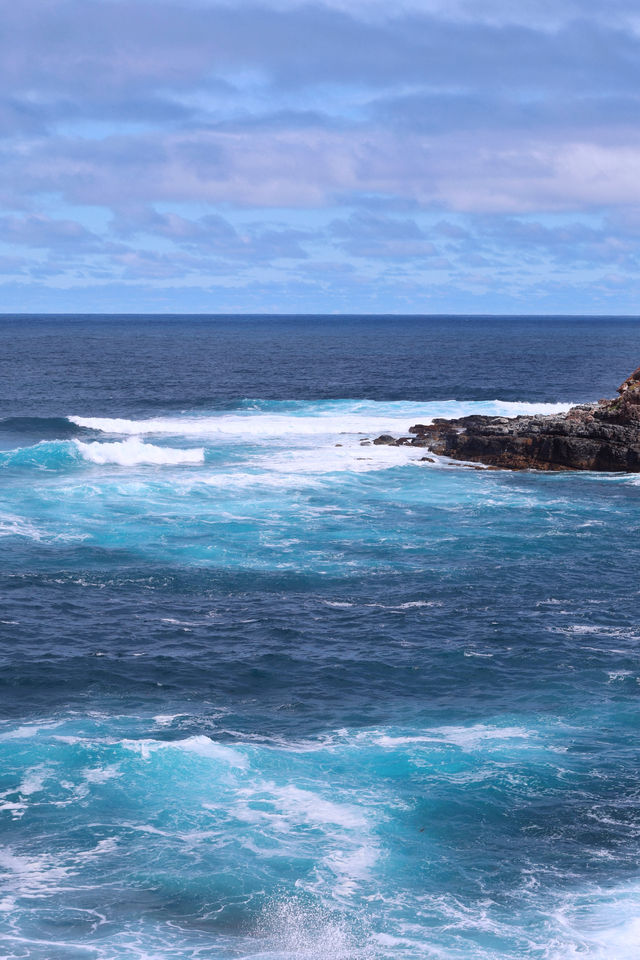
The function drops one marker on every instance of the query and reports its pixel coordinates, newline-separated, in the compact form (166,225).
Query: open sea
(270,691)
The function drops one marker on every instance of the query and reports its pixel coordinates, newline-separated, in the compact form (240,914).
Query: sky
(346,156)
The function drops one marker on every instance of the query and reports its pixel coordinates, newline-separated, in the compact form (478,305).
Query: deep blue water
(269,691)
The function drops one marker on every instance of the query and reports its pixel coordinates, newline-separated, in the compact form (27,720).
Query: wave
(132,452)
(45,455)
(273,419)
(356,843)
(14,526)
(55,455)
(41,428)
(600,923)
(278,443)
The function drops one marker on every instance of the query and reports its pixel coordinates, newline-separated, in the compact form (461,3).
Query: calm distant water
(269,691)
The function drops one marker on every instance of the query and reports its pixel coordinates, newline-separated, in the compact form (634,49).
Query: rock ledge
(592,436)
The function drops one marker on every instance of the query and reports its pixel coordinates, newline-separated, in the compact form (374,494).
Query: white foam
(351,868)
(165,719)
(325,457)
(481,735)
(12,526)
(305,806)
(32,876)
(101,774)
(475,736)
(331,418)
(397,607)
(134,451)
(15,807)
(205,747)
(33,781)
(200,745)
(102,847)
(619,675)
(415,603)
(285,445)
(256,425)
(297,930)
(27,731)
(601,924)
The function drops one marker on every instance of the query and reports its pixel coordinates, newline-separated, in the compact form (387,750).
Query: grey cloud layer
(365,118)
(96,50)
(292,106)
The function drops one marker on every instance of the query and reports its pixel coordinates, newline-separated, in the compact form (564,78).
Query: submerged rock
(592,436)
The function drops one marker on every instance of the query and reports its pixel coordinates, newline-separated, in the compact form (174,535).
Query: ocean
(270,691)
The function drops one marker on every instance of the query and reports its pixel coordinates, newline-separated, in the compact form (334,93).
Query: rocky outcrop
(592,436)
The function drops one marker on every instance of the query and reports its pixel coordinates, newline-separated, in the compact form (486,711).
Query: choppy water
(269,692)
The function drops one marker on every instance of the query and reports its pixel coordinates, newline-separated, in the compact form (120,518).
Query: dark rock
(389,441)
(590,436)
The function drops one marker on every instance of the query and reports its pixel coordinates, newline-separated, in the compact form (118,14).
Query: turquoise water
(268,690)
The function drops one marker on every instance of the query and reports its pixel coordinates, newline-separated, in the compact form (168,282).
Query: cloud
(213,233)
(569,243)
(369,235)
(279,139)
(477,113)
(124,102)
(66,236)
(504,173)
(544,14)
(123,52)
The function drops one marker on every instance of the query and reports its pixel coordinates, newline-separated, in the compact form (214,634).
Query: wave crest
(134,451)
(311,418)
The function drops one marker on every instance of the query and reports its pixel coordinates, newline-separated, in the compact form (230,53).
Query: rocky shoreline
(592,436)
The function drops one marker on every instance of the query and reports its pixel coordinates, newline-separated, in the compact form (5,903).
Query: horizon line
(333,315)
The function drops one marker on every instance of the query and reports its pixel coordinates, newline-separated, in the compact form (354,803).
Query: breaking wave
(134,451)
(55,455)
(273,419)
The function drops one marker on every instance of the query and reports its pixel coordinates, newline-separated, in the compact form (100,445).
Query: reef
(591,436)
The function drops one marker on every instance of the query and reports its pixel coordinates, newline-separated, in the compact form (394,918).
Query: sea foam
(134,451)
(281,419)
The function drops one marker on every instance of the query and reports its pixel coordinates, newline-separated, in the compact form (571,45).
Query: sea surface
(270,691)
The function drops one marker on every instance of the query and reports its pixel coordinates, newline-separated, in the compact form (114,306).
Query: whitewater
(268,690)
